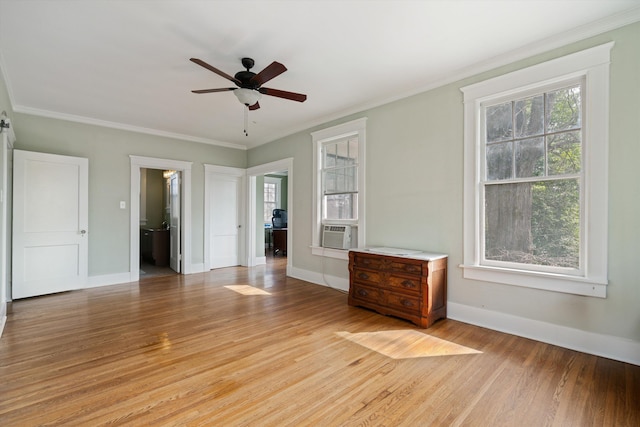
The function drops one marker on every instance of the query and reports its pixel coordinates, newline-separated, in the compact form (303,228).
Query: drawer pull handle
(363,276)
(406,303)
(408,284)
(412,268)
(362,293)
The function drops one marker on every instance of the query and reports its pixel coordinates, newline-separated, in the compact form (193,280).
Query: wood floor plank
(201,350)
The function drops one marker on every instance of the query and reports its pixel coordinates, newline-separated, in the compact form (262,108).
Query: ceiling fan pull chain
(246,120)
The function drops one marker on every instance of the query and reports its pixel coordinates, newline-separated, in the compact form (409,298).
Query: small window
(272,197)
(339,183)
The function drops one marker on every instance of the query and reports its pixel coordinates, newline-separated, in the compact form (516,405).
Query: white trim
(330,252)
(138,162)
(593,64)
(252,173)
(608,346)
(209,171)
(109,279)
(3,318)
(333,282)
(261,260)
(318,138)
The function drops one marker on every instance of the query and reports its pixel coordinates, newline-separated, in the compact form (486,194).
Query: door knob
(83,232)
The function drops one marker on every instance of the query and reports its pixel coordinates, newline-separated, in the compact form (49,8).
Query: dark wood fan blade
(283,94)
(224,89)
(215,70)
(254,106)
(273,70)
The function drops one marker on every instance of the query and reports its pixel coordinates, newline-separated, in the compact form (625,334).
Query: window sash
(545,133)
(343,175)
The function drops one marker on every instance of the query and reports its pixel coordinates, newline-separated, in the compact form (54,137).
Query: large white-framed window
(339,183)
(535,184)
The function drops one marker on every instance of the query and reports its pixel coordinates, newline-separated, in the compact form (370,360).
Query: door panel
(224,222)
(174,222)
(50,218)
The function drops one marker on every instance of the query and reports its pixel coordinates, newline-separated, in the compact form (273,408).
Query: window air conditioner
(336,236)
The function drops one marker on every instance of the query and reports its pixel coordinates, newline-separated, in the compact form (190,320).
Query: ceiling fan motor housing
(245,79)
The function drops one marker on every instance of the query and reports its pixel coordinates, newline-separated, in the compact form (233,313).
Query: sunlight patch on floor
(406,344)
(247,290)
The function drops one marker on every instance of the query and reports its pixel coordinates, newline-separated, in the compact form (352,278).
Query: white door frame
(252,173)
(209,171)
(137,163)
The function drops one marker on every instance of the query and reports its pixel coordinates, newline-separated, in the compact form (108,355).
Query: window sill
(330,253)
(537,280)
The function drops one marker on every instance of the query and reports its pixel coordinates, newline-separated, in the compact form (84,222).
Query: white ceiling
(126,63)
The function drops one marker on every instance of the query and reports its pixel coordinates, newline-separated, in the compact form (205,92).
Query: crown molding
(122,126)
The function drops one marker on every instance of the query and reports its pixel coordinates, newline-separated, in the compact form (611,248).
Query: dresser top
(402,253)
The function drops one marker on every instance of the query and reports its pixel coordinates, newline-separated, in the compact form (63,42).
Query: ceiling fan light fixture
(247,97)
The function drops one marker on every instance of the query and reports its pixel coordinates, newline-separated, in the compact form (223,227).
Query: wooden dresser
(405,284)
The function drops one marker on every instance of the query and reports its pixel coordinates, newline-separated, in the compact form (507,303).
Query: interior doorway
(160,223)
(256,214)
(179,215)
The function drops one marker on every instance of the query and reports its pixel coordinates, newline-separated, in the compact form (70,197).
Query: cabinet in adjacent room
(154,246)
(412,287)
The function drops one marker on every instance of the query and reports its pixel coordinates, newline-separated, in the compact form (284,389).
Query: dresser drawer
(365,293)
(373,263)
(367,276)
(403,284)
(405,267)
(407,303)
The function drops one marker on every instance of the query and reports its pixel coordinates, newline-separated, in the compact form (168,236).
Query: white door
(174,222)
(224,197)
(50,219)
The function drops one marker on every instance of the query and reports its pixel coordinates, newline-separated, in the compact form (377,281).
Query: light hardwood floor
(251,347)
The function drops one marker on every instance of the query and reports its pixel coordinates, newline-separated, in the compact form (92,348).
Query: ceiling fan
(249,84)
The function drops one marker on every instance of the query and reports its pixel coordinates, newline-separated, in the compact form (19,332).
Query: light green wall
(155,198)
(414,184)
(108,152)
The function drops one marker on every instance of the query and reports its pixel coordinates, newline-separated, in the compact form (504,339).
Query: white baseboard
(261,260)
(3,316)
(334,282)
(195,268)
(611,347)
(108,279)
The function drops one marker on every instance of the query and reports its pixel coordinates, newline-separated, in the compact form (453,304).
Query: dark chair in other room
(279,218)
(279,221)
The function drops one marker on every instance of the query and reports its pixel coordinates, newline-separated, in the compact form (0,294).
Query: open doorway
(258,242)
(179,216)
(275,213)
(160,223)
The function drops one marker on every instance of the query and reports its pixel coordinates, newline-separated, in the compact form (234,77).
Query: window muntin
(532,190)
